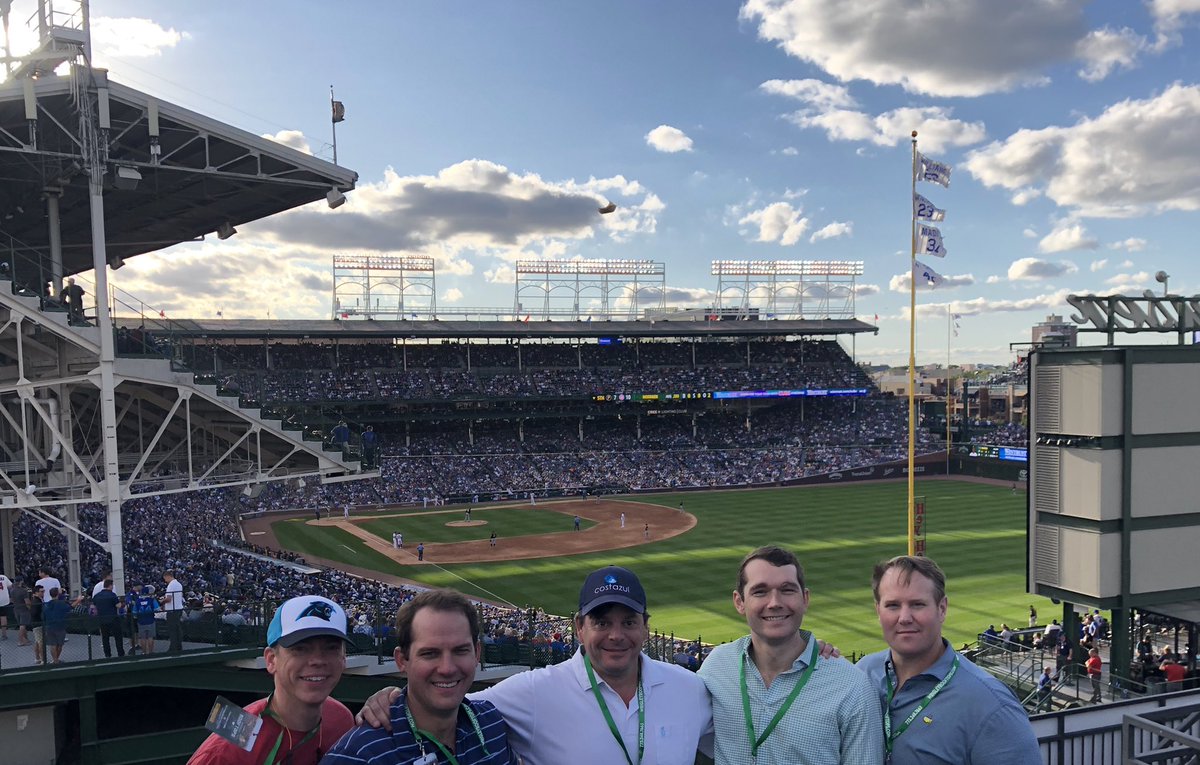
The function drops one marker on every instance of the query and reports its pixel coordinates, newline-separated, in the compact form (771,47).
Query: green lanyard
(889,739)
(275,749)
(418,734)
(608,718)
(755,743)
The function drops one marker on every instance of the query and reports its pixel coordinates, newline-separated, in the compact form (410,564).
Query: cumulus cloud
(789,151)
(1065,237)
(132,37)
(1104,50)
(1032,269)
(1053,301)
(866,290)
(501,275)
(1098,265)
(1132,244)
(668,139)
(1029,233)
(200,279)
(1137,157)
(1022,197)
(452,295)
(778,222)
(833,231)
(993,279)
(1129,284)
(902,282)
(293,139)
(471,209)
(832,109)
(936,47)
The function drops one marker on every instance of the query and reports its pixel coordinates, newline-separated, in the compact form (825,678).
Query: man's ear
(738,603)
(271,656)
(401,662)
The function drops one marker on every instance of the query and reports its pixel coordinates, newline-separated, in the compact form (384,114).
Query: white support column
(55,230)
(108,407)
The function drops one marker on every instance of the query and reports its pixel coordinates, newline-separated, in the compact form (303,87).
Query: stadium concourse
(550,437)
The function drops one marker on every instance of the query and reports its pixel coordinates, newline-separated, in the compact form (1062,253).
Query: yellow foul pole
(912,351)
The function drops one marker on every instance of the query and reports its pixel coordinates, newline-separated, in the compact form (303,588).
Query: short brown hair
(776,556)
(439,600)
(909,565)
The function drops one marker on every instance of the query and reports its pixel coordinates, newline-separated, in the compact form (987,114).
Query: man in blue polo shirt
(438,648)
(938,707)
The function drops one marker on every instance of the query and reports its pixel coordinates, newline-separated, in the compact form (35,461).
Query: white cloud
(1067,236)
(902,282)
(501,275)
(668,139)
(1104,50)
(833,231)
(452,295)
(1024,196)
(778,222)
(1130,284)
(789,151)
(993,279)
(1132,244)
(1098,265)
(1137,157)
(131,37)
(1029,233)
(831,108)
(866,290)
(470,209)
(1126,264)
(1032,269)
(294,139)
(1054,301)
(935,47)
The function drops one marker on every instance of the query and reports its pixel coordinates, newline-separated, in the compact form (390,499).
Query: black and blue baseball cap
(612,584)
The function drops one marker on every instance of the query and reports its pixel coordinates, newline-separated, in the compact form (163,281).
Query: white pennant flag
(926,274)
(923,209)
(933,171)
(930,242)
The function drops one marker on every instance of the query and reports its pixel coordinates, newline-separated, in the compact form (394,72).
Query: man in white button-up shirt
(594,708)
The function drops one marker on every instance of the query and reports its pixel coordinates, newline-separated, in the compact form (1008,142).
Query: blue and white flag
(923,209)
(933,171)
(926,274)
(929,242)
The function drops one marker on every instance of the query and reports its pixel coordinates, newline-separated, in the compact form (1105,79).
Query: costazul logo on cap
(610,579)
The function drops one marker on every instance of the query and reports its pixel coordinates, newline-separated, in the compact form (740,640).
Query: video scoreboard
(732,394)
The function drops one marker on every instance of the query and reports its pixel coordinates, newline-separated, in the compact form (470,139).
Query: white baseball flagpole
(912,349)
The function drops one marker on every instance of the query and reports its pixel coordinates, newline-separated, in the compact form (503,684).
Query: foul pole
(912,348)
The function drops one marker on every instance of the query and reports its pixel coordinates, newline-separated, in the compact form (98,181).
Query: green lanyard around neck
(275,749)
(418,734)
(608,718)
(755,743)
(889,739)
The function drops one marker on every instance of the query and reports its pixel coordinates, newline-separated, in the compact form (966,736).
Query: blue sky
(768,129)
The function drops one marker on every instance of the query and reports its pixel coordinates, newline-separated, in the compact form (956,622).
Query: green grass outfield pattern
(976,533)
(511,521)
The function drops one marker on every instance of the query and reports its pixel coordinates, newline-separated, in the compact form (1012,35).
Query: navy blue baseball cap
(612,584)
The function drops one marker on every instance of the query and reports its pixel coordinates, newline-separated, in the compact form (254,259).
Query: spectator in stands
(305,656)
(143,609)
(173,604)
(1095,668)
(1175,673)
(1045,689)
(54,616)
(978,718)
(106,603)
(438,649)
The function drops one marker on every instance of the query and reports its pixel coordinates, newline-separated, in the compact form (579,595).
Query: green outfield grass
(511,521)
(976,532)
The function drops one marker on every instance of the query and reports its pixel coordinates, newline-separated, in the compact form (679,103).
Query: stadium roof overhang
(196,173)
(330,329)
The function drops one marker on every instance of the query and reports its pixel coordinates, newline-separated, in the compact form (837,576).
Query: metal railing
(1168,735)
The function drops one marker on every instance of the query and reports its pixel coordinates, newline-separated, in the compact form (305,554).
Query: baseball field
(976,532)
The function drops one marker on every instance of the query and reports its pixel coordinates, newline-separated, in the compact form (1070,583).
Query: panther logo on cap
(322,611)
(610,579)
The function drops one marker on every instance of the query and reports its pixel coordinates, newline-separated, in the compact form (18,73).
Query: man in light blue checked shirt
(775,701)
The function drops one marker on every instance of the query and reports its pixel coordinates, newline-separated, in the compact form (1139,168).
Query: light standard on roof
(1162,277)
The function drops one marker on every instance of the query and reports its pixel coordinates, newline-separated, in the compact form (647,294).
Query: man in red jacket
(306,655)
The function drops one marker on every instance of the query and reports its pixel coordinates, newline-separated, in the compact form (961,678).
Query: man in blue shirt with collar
(939,708)
(438,648)
(775,702)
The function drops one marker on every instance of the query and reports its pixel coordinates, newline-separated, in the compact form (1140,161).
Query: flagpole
(912,350)
(333,123)
(949,321)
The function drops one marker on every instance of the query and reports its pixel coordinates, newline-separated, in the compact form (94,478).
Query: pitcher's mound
(460,524)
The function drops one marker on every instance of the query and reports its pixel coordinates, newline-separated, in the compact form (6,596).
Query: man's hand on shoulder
(827,650)
(376,712)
